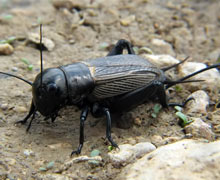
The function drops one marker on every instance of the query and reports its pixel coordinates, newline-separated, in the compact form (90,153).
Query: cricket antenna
(175,65)
(12,75)
(41,56)
(182,80)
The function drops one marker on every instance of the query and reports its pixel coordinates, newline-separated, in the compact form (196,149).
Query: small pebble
(28,152)
(157,140)
(84,158)
(59,145)
(158,42)
(94,163)
(14,69)
(199,103)
(137,121)
(217,128)
(21,109)
(71,162)
(209,116)
(169,140)
(72,41)
(129,153)
(4,106)
(123,157)
(199,129)
(6,49)
(35,38)
(104,46)
(127,20)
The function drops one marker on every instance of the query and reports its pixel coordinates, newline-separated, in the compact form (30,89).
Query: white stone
(158,42)
(161,60)
(183,160)
(59,146)
(199,129)
(199,104)
(211,77)
(21,109)
(28,152)
(79,159)
(35,38)
(142,148)
(53,176)
(122,157)
(129,153)
(85,158)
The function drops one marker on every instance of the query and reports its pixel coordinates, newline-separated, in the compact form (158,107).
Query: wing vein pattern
(117,76)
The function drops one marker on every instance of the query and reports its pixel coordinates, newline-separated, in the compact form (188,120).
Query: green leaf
(153,115)
(183,118)
(10,40)
(25,61)
(39,20)
(178,108)
(30,67)
(42,169)
(110,148)
(157,108)
(136,50)
(178,88)
(3,41)
(7,16)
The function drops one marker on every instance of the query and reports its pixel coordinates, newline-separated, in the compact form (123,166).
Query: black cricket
(112,84)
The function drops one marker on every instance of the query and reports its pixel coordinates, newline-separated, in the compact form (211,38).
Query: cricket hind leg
(120,46)
(108,127)
(161,94)
(99,111)
(183,104)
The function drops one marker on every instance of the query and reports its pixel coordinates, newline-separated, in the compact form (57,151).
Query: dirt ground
(84,30)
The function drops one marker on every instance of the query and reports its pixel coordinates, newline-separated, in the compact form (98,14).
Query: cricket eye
(51,88)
